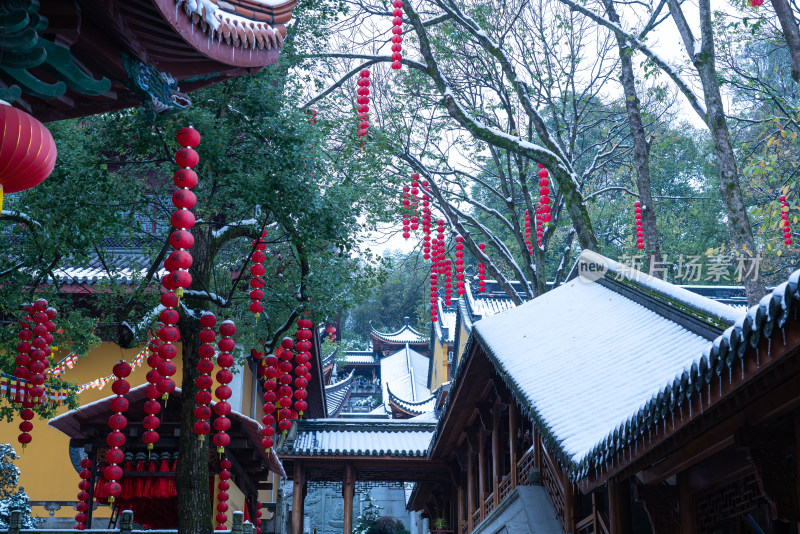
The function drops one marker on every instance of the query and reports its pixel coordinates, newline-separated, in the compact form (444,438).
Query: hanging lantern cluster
(363,104)
(786,229)
(539,224)
(426,221)
(32,359)
(330,331)
(544,194)
(448,282)
(459,265)
(151,406)
(179,260)
(438,267)
(269,371)
(116,438)
(406,212)
(222,497)
(481,272)
(528,232)
(223,392)
(83,495)
(205,366)
(284,387)
(397,32)
(257,270)
(637,212)
(302,370)
(259,515)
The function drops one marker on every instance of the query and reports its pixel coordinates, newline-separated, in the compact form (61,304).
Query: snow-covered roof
(427,416)
(336,394)
(406,372)
(445,327)
(406,334)
(360,357)
(363,437)
(586,356)
(122,268)
(420,407)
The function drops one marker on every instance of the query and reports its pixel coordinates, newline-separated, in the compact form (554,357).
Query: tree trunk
(790,33)
(192,477)
(641,148)
(730,189)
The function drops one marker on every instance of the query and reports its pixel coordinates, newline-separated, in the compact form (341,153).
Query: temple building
(385,344)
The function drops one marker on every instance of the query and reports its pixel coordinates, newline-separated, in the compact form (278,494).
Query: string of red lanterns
(259,514)
(460,265)
(116,438)
(38,328)
(269,370)
(303,356)
(637,211)
(528,233)
(151,406)
(406,210)
(205,366)
(397,32)
(544,192)
(83,495)
(257,270)
(23,371)
(363,104)
(448,283)
(284,389)
(223,392)
(539,224)
(481,272)
(784,222)
(222,496)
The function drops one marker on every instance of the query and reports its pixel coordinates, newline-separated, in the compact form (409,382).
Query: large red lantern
(27,151)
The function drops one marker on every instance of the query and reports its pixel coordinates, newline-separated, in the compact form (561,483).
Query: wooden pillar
(470,489)
(496,465)
(481,474)
(686,505)
(348,490)
(513,448)
(619,507)
(298,513)
(460,511)
(569,503)
(537,448)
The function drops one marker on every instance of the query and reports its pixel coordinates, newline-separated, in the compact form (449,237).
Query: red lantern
(226,330)
(363,100)
(204,367)
(83,495)
(783,224)
(481,272)
(637,209)
(397,31)
(116,438)
(257,269)
(27,155)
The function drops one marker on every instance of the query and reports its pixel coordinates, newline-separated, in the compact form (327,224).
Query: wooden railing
(552,482)
(596,523)
(126,526)
(524,466)
(489,504)
(476,517)
(464,528)
(505,487)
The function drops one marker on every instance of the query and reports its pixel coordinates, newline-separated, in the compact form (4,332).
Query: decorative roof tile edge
(410,406)
(389,336)
(341,384)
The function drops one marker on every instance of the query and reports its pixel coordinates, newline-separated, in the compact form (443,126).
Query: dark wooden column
(569,503)
(496,465)
(470,488)
(298,513)
(619,507)
(513,427)
(481,473)
(460,511)
(348,490)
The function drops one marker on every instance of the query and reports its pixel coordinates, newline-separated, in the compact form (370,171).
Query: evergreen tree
(370,513)
(12,497)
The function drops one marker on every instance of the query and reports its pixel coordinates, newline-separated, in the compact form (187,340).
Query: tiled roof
(406,372)
(371,437)
(124,268)
(336,394)
(407,334)
(445,327)
(423,406)
(355,357)
(616,341)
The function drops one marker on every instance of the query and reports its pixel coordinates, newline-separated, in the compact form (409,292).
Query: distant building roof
(619,341)
(363,437)
(360,357)
(121,268)
(406,334)
(405,372)
(336,394)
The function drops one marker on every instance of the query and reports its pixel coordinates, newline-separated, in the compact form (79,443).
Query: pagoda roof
(78,423)
(363,437)
(622,339)
(406,334)
(336,394)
